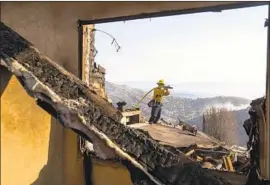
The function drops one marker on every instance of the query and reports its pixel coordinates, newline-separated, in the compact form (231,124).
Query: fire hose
(139,103)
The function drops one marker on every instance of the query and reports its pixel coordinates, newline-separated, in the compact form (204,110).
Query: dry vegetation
(221,124)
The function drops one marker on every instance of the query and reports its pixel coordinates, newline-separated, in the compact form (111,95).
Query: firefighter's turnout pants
(155,112)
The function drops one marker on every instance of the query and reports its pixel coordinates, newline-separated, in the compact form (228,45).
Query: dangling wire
(117,46)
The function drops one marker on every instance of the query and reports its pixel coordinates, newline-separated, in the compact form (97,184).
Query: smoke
(228,106)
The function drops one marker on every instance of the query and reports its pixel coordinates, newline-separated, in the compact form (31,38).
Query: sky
(215,53)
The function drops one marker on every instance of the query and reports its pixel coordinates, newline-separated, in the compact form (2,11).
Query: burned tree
(221,124)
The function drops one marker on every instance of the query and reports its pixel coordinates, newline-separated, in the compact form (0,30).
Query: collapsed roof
(78,107)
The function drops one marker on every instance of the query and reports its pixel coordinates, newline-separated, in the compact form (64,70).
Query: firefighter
(156,102)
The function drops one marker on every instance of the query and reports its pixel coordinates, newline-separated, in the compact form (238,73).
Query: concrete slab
(173,136)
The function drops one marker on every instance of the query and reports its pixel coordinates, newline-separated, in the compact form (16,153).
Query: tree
(221,124)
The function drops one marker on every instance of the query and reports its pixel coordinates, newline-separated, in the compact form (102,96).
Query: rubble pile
(215,156)
(81,109)
(219,157)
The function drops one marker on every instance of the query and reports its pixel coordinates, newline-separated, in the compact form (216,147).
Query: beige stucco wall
(31,144)
(52,31)
(115,173)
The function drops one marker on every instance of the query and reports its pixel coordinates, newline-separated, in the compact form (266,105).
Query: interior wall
(73,171)
(27,138)
(52,31)
(107,173)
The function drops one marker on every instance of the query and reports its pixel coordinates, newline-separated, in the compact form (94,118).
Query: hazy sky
(208,48)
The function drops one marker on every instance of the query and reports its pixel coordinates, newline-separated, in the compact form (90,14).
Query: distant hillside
(186,109)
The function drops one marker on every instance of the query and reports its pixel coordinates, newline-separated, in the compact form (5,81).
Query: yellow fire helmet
(161,82)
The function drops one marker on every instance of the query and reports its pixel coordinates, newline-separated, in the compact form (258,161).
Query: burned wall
(93,73)
(97,79)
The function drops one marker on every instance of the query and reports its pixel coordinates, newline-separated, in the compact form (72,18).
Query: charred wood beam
(82,110)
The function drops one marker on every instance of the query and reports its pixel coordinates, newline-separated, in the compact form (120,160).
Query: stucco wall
(34,147)
(30,149)
(52,31)
(110,174)
(73,172)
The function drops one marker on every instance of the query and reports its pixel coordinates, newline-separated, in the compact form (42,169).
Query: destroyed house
(57,126)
